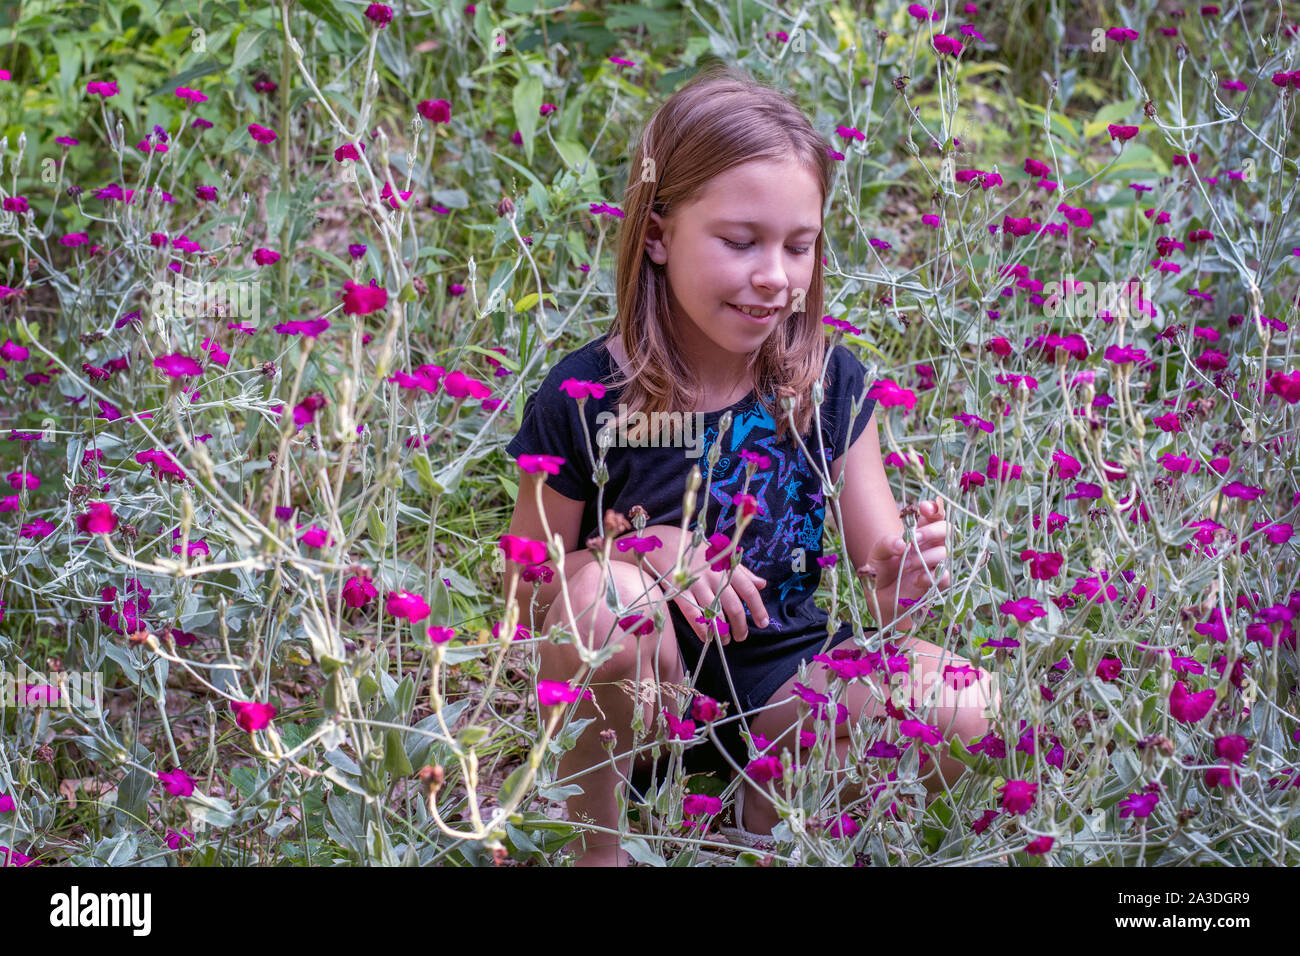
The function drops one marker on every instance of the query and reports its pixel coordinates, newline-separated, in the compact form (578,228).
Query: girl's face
(747,241)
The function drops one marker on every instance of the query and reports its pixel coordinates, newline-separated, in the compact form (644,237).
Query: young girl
(720,303)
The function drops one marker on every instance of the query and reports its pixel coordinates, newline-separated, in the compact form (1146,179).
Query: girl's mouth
(761,319)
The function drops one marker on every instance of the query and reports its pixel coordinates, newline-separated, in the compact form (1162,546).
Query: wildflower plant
(269,315)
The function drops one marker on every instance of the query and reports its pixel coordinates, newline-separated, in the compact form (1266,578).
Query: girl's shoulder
(587,363)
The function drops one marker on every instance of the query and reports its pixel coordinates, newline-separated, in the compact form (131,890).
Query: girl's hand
(733,587)
(909,576)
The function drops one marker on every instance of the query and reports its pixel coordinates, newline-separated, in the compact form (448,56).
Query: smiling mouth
(758,316)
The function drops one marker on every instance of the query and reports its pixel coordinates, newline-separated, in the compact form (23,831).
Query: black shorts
(758,668)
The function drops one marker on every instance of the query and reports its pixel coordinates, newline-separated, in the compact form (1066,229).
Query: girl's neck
(712,399)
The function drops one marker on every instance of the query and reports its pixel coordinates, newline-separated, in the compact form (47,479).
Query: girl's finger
(749,593)
(735,612)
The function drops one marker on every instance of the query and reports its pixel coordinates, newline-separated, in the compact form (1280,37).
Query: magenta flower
(316,537)
(99,519)
(177,365)
(705,709)
(6,803)
(533,464)
(261,133)
(926,733)
(1023,609)
(1139,804)
(1018,796)
(1232,748)
(1108,668)
(889,393)
(11,351)
(407,605)
(252,716)
(1040,845)
(698,804)
(177,782)
(379,15)
(763,769)
(581,390)
(362,300)
(176,840)
(440,635)
(435,111)
(308,328)
(1187,707)
(1121,133)
(206,193)
(358,591)
(553,692)
(265,257)
(842,826)
(717,544)
(522,551)
(460,385)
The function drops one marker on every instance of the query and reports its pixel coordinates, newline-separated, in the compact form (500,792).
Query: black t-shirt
(783,540)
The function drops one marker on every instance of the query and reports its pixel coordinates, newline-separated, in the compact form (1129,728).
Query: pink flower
(441,635)
(698,804)
(890,394)
(1121,133)
(265,257)
(316,537)
(580,390)
(1189,708)
(358,591)
(679,729)
(552,692)
(99,519)
(379,15)
(926,733)
(176,840)
(1139,804)
(261,133)
(1232,748)
(1109,668)
(362,300)
(523,551)
(407,605)
(6,803)
(435,111)
(705,709)
(533,464)
(717,544)
(1018,796)
(251,716)
(763,769)
(842,826)
(177,782)
(460,385)
(1040,845)
(178,365)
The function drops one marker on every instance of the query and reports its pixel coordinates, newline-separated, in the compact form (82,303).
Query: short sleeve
(847,380)
(552,426)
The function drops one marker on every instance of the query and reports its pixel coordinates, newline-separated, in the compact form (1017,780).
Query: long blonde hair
(720,119)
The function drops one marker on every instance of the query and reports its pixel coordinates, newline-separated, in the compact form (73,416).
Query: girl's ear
(655,246)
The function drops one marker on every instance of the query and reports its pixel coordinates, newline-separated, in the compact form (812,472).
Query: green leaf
(395,759)
(527,105)
(641,852)
(214,811)
(367,687)
(470,735)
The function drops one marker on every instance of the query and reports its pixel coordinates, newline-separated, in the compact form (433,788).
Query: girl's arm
(872,523)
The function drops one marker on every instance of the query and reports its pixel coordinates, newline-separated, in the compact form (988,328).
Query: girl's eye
(799,251)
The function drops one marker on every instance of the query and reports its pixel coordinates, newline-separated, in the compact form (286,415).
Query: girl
(720,302)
